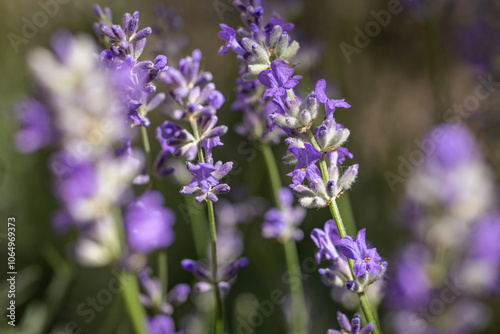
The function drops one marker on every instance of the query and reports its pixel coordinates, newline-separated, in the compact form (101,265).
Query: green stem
(129,286)
(299,321)
(367,310)
(218,324)
(219,308)
(163,270)
(274,174)
(299,313)
(147,151)
(130,293)
(334,209)
(198,227)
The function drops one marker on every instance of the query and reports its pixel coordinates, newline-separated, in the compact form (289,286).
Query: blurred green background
(426,60)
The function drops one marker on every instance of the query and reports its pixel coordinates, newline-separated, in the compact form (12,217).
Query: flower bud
(348,177)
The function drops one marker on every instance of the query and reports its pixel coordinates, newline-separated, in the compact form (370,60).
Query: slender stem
(274,174)
(199,231)
(129,285)
(162,254)
(163,270)
(299,314)
(367,310)
(334,209)
(218,324)
(130,293)
(219,308)
(147,150)
(299,319)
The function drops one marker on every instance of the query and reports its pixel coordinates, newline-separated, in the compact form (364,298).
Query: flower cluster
(134,78)
(368,266)
(256,44)
(197,103)
(449,207)
(90,180)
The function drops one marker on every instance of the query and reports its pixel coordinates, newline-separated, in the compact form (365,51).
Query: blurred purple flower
(148,224)
(36,126)
(283,223)
(161,324)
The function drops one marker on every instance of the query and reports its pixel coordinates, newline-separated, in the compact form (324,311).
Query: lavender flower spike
(364,259)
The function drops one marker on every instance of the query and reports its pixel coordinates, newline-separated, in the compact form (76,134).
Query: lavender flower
(327,240)
(351,328)
(317,193)
(229,35)
(306,157)
(258,44)
(283,223)
(206,178)
(365,260)
(278,79)
(330,104)
(134,78)
(148,224)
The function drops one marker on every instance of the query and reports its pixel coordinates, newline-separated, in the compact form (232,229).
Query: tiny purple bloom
(307,157)
(330,104)
(229,35)
(327,240)
(278,79)
(202,176)
(364,258)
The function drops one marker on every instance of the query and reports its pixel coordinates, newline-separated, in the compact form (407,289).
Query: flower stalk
(299,314)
